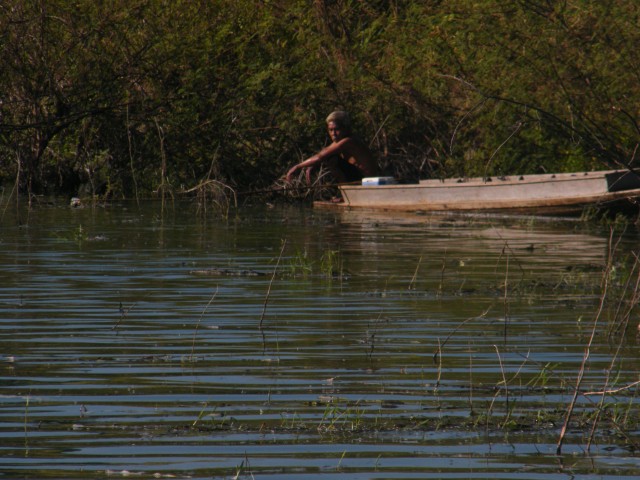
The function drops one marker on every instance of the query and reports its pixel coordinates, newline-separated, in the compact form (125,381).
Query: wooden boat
(560,193)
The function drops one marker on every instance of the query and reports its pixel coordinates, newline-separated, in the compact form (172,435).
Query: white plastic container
(372,181)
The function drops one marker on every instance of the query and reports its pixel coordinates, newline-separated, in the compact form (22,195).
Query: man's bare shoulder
(351,142)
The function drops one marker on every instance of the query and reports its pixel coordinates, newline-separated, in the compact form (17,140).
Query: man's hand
(290,173)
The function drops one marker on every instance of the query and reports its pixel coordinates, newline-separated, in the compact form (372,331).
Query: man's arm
(332,150)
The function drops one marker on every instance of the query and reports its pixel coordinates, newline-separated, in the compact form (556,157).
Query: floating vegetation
(226,272)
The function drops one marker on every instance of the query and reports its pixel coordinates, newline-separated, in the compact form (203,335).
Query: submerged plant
(331,263)
(292,422)
(542,378)
(338,418)
(215,194)
(204,413)
(26,427)
(240,469)
(77,236)
(300,264)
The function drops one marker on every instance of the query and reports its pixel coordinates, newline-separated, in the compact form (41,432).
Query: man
(348,159)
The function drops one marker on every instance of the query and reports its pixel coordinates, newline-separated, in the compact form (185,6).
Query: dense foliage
(130,97)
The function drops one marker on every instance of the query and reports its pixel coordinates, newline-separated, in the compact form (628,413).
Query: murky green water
(296,343)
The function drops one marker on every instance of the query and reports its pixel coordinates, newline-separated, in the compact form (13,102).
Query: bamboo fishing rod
(294,188)
(275,189)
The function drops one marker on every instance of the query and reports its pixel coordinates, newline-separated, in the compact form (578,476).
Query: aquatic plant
(300,263)
(292,421)
(543,377)
(607,281)
(340,419)
(195,332)
(243,469)
(26,427)
(331,263)
(273,276)
(214,194)
(211,414)
(415,275)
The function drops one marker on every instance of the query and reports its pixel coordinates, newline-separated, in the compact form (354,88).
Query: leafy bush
(132,98)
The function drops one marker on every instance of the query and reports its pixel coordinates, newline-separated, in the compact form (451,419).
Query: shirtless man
(347,158)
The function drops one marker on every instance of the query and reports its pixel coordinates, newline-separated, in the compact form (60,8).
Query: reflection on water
(401,346)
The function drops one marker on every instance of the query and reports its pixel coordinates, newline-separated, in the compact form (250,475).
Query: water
(289,342)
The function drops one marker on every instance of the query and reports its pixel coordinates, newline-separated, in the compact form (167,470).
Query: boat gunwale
(463,182)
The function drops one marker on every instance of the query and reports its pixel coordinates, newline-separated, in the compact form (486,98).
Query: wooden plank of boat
(545,193)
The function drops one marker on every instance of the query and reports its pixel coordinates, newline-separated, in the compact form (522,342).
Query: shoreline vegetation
(154,99)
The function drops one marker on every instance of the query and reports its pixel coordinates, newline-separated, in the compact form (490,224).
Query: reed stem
(195,333)
(273,276)
(587,351)
(415,275)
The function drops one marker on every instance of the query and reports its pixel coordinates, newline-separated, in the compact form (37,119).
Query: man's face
(336,132)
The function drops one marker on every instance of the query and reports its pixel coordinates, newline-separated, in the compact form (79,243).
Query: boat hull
(544,194)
